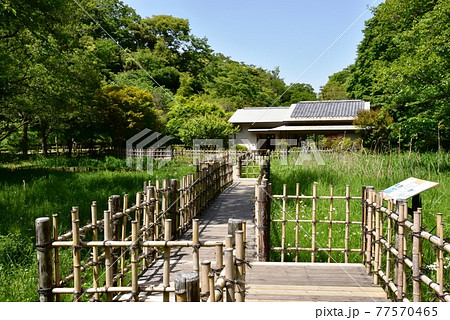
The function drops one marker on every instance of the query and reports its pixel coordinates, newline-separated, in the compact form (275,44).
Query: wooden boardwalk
(265,281)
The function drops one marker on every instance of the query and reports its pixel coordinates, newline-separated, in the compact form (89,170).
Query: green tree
(123,112)
(336,87)
(299,92)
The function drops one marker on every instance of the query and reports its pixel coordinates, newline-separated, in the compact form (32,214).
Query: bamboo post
(123,236)
(347,222)
(238,167)
(44,258)
(164,198)
(187,288)
(182,208)
(401,204)
(440,255)
(369,229)
(389,239)
(76,255)
(108,256)
(195,245)
(95,267)
(377,253)
(229,241)
(229,270)
(156,214)
(219,257)
(173,209)
(297,218)
(330,227)
(56,264)
(416,255)
(137,212)
(166,272)
(240,266)
(363,224)
(205,288)
(146,225)
(264,222)
(283,226)
(134,261)
(314,223)
(212,291)
(114,207)
(233,226)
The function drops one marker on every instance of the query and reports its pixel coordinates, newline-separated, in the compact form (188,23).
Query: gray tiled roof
(327,109)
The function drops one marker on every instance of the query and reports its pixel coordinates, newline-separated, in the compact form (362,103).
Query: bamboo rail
(124,255)
(398,248)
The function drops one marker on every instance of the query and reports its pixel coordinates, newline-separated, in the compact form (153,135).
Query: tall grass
(29,193)
(356,170)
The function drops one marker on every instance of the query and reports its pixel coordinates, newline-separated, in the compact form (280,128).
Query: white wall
(246,138)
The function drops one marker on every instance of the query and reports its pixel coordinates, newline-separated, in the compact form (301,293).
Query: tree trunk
(24,141)
(43,132)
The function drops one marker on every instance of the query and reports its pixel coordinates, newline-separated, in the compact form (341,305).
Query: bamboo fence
(393,245)
(130,238)
(392,242)
(309,243)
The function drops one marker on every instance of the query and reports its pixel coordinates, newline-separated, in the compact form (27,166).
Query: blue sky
(289,34)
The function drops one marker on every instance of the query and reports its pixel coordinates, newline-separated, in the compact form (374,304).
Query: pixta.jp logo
(147,145)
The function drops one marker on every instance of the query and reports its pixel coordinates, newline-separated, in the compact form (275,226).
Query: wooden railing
(114,250)
(395,245)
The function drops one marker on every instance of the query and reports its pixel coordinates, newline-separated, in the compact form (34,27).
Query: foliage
(336,87)
(402,67)
(374,127)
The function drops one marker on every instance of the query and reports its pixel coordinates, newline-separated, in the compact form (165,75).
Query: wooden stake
(123,236)
(44,258)
(416,256)
(187,288)
(76,255)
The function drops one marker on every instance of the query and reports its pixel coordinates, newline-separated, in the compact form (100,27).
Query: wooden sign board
(407,189)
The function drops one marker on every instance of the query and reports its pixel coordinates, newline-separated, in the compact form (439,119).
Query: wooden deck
(265,281)
(333,282)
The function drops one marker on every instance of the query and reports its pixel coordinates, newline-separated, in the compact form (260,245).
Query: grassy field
(28,191)
(356,170)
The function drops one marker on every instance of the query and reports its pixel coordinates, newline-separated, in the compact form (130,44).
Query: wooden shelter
(264,128)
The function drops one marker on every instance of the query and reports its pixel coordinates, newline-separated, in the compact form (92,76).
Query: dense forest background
(65,81)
